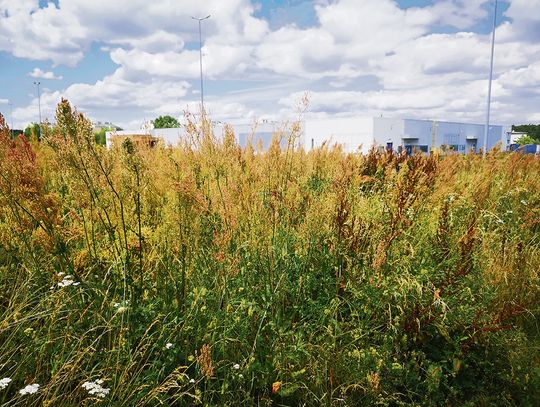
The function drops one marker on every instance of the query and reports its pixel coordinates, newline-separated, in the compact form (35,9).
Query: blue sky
(129,61)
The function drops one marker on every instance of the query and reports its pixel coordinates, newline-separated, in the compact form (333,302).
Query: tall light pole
(486,130)
(200,57)
(39,106)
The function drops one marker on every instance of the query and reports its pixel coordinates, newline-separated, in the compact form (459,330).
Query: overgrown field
(209,274)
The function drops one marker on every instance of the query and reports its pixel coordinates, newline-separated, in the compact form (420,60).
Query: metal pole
(200,58)
(39,106)
(200,65)
(486,130)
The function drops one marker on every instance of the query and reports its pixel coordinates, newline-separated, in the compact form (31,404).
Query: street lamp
(486,129)
(200,57)
(39,106)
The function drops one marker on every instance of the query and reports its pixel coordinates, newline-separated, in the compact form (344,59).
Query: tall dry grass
(218,275)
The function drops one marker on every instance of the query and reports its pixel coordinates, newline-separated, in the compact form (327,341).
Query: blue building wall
(459,137)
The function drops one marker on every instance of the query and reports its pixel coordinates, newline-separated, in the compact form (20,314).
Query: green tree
(32,131)
(527,140)
(165,122)
(533,130)
(101,136)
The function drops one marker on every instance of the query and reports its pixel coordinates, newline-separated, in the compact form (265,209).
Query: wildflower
(236,366)
(95,388)
(523,202)
(241,376)
(4,383)
(67,281)
(168,345)
(192,380)
(122,306)
(30,389)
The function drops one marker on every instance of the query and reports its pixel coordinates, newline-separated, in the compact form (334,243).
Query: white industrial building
(362,133)
(358,134)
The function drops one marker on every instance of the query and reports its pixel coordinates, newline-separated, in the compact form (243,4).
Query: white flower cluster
(168,345)
(66,281)
(236,366)
(4,383)
(95,388)
(30,389)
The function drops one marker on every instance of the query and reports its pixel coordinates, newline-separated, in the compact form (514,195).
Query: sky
(129,61)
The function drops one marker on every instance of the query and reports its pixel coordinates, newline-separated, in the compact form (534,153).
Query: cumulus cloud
(27,31)
(525,26)
(106,99)
(460,14)
(38,73)
(63,34)
(415,69)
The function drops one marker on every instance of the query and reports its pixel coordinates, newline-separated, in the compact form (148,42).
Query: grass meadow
(210,274)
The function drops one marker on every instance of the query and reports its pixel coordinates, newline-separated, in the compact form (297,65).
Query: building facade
(361,134)
(355,134)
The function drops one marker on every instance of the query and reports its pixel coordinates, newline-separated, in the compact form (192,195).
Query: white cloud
(527,77)
(109,98)
(63,34)
(38,73)
(27,31)
(525,16)
(414,71)
(159,41)
(460,14)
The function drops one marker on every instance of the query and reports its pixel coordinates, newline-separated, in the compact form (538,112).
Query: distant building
(149,137)
(357,134)
(260,134)
(362,133)
(513,136)
(137,139)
